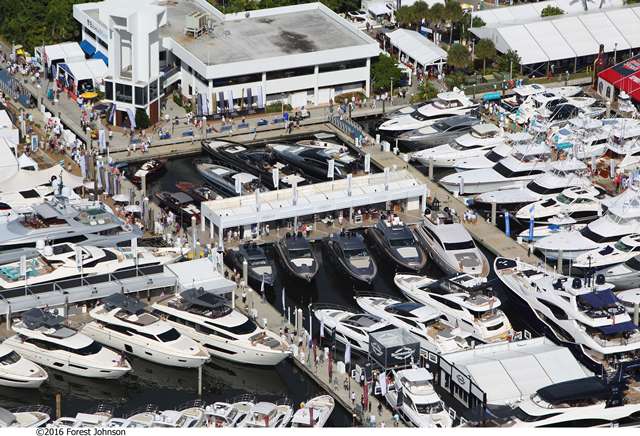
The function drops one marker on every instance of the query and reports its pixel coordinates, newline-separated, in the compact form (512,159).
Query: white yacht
(578,203)
(222,414)
(188,416)
(224,332)
(613,253)
(122,323)
(19,372)
(98,418)
(624,275)
(349,327)
(49,263)
(446,104)
(510,172)
(268,415)
(424,322)
(481,139)
(450,245)
(464,301)
(315,412)
(25,417)
(42,337)
(555,224)
(621,218)
(586,317)
(629,299)
(518,144)
(411,393)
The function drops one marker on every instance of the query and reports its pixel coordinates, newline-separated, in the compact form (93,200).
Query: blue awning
(87,47)
(492,96)
(65,67)
(618,328)
(598,300)
(100,55)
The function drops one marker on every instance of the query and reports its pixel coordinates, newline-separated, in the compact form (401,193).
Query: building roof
(625,76)
(200,273)
(420,48)
(67,51)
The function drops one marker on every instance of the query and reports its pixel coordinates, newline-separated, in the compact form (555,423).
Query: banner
(275,174)
(386,179)
(238,185)
(367,163)
(349,177)
(102,140)
(331,169)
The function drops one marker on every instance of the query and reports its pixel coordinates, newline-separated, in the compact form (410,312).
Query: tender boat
(624,249)
(449,244)
(229,414)
(349,252)
(315,412)
(395,241)
(630,299)
(438,133)
(151,169)
(579,203)
(465,301)
(349,327)
(42,337)
(420,406)
(122,323)
(584,316)
(98,418)
(189,415)
(297,257)
(228,182)
(268,415)
(260,268)
(19,372)
(25,417)
(224,332)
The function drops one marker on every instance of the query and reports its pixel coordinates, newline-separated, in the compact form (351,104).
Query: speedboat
(197,193)
(224,332)
(190,415)
(315,412)
(518,144)
(268,415)
(149,170)
(624,249)
(449,244)
(122,323)
(180,203)
(313,160)
(464,301)
(424,322)
(260,268)
(420,405)
(297,257)
(97,418)
(25,417)
(229,414)
(481,139)
(228,182)
(439,132)
(349,252)
(555,224)
(349,327)
(579,203)
(395,241)
(446,104)
(624,275)
(583,315)
(19,372)
(510,172)
(621,218)
(42,337)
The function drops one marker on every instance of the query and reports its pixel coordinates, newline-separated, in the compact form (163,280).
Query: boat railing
(243,398)
(331,306)
(41,408)
(104,409)
(147,408)
(371,294)
(197,403)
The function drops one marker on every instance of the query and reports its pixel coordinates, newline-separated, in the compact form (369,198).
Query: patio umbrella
(121,198)
(133,208)
(89,95)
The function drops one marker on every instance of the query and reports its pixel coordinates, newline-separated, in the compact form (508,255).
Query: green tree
(485,49)
(550,11)
(508,62)
(406,17)
(458,56)
(453,15)
(436,16)
(142,119)
(426,91)
(383,72)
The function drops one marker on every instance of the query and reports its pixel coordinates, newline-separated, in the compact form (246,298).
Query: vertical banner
(275,174)
(331,169)
(386,178)
(102,140)
(367,163)
(349,180)
(238,185)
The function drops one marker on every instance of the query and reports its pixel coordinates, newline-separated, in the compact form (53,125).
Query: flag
(134,249)
(331,169)
(367,163)
(257,200)
(347,353)
(284,299)
(262,285)
(102,140)
(295,193)
(461,186)
(78,257)
(322,328)
(330,365)
(238,185)
(531,223)
(386,179)
(365,391)
(349,177)
(507,224)
(382,381)
(275,174)
(23,266)
(132,118)
(112,113)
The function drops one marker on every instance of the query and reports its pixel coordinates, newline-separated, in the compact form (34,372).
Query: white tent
(379,8)
(413,44)
(64,52)
(25,161)
(7,129)
(23,180)
(8,164)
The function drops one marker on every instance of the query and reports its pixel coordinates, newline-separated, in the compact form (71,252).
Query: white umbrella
(121,198)
(133,208)
(292,179)
(89,184)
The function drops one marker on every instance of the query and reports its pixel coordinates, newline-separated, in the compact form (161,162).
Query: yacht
(613,253)
(629,299)
(58,220)
(395,241)
(446,104)
(190,415)
(260,268)
(223,331)
(313,160)
(560,175)
(509,172)
(229,414)
(122,323)
(315,413)
(424,322)
(420,406)
(151,169)
(621,218)
(578,203)
(587,317)
(349,327)
(228,182)
(464,301)
(197,193)
(268,415)
(624,275)
(25,417)
(181,204)
(449,244)
(49,263)
(349,252)
(19,372)
(482,138)
(439,132)
(518,144)
(555,224)
(42,337)
(297,257)
(98,418)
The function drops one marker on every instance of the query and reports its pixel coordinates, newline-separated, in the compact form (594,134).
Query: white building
(303,54)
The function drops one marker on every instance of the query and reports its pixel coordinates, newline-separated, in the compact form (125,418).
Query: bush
(276,106)
(456,79)
(551,11)
(142,119)
(177,99)
(340,98)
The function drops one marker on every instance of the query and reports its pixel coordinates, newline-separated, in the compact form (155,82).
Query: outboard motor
(577,283)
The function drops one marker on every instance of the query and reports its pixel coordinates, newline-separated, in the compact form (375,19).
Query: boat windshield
(563,199)
(300,253)
(464,245)
(9,358)
(357,252)
(397,243)
(621,246)
(169,336)
(429,408)
(493,156)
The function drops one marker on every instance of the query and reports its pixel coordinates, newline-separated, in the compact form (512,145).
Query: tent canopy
(379,8)
(24,180)
(66,51)
(422,50)
(8,163)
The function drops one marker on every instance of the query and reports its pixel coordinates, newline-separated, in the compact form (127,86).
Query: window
(557,312)
(108,90)
(345,65)
(446,302)
(169,336)
(243,329)
(123,93)
(465,245)
(293,72)
(141,96)
(237,80)
(153,90)
(89,350)
(163,56)
(10,358)
(593,422)
(608,91)
(90,33)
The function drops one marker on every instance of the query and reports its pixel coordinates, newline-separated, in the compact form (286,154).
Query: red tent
(625,76)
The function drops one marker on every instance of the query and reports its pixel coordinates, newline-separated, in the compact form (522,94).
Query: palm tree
(452,15)
(458,56)
(485,49)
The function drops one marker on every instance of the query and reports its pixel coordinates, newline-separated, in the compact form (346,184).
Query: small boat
(349,252)
(315,412)
(180,204)
(221,414)
(149,170)
(97,418)
(260,268)
(394,240)
(25,417)
(226,181)
(268,415)
(297,257)
(188,415)
(624,275)
(19,372)
(198,193)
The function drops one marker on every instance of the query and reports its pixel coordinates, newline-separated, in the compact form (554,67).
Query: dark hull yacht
(349,252)
(260,269)
(296,256)
(395,241)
